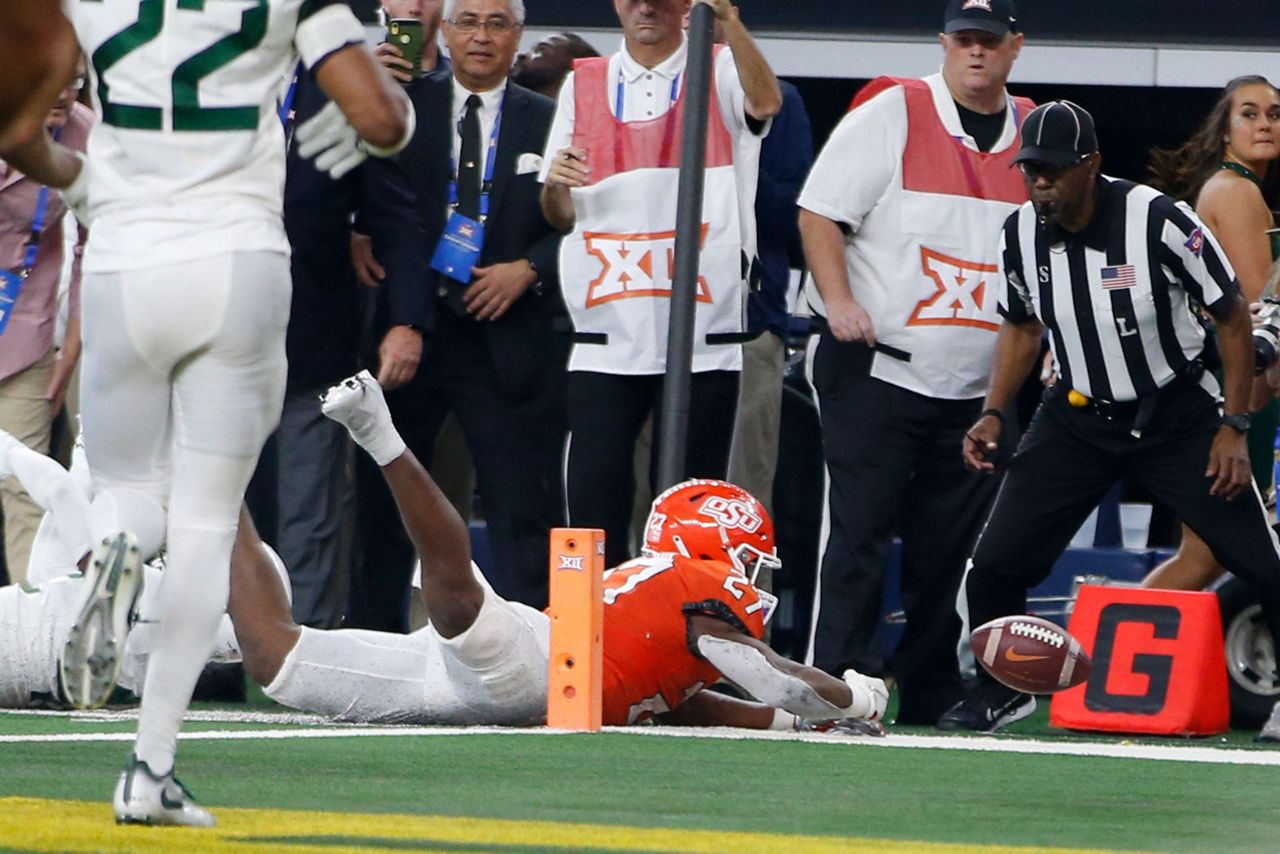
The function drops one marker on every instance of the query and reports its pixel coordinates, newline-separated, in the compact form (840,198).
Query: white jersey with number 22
(188,158)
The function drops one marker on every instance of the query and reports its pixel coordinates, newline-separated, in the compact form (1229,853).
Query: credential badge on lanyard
(463,239)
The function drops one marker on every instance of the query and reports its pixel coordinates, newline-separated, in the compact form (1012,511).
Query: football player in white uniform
(187,293)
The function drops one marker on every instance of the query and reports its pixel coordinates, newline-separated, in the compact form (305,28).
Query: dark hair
(1181,172)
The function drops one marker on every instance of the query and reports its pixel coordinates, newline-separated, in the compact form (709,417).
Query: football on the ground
(1030,654)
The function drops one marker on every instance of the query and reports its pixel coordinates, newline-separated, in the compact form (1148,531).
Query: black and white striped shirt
(1117,296)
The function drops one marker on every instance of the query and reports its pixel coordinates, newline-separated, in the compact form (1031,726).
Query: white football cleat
(357,403)
(94,650)
(143,798)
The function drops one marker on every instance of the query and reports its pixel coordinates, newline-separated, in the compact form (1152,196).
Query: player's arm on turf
(780,682)
(710,708)
(37,56)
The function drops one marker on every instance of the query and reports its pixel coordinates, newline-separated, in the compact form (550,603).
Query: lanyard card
(459,248)
(10,288)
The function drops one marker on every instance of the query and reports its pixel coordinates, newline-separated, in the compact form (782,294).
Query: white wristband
(783,720)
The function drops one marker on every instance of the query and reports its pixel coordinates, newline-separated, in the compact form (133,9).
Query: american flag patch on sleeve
(1119,276)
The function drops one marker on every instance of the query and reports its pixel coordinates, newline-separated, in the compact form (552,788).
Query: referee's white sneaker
(94,649)
(358,404)
(1271,729)
(143,798)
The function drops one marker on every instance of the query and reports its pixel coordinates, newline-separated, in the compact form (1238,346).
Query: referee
(1111,269)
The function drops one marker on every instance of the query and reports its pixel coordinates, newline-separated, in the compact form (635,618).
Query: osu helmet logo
(732,513)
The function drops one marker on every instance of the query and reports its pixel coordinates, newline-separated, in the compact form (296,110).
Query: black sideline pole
(693,157)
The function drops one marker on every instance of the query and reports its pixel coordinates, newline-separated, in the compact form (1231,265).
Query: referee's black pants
(894,466)
(1070,457)
(606,415)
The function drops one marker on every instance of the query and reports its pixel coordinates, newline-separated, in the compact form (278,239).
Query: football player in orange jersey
(676,619)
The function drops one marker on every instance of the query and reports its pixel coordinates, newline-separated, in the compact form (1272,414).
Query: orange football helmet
(713,520)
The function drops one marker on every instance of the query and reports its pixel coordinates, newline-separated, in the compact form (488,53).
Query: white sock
(188,608)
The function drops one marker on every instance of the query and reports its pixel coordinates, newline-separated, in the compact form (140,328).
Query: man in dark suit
(477,340)
(302,491)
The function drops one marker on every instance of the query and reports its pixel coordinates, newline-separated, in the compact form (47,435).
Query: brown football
(1030,654)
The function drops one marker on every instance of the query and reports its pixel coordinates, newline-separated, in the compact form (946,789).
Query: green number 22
(188,115)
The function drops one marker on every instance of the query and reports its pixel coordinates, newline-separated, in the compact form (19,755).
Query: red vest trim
(936,162)
(614,146)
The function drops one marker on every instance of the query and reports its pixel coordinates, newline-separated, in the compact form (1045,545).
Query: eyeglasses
(1051,172)
(496,26)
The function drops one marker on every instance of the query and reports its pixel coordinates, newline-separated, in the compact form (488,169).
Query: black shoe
(987,707)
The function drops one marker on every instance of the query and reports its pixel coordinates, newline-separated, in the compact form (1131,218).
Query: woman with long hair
(1227,171)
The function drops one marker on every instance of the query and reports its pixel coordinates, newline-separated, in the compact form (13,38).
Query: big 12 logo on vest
(636,265)
(962,296)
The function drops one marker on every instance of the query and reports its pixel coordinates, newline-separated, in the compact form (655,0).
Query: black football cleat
(987,707)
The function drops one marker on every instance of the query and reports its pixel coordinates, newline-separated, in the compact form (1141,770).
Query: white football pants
(182,382)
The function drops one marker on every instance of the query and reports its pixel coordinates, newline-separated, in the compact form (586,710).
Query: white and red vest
(617,264)
(924,261)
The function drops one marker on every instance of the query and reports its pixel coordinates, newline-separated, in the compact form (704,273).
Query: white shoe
(94,650)
(1271,729)
(143,798)
(357,403)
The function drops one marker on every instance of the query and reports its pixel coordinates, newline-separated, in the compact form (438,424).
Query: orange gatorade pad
(1158,664)
(576,663)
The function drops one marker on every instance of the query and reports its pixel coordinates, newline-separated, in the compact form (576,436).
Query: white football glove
(76,194)
(336,146)
(870,696)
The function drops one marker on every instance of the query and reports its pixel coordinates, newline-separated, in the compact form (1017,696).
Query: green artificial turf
(780,787)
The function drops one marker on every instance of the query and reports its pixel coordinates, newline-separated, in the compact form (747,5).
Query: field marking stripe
(51,825)
(1187,753)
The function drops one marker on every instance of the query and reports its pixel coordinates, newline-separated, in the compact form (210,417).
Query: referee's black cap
(993,16)
(1059,133)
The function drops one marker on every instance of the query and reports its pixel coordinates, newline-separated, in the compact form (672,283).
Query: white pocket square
(528,162)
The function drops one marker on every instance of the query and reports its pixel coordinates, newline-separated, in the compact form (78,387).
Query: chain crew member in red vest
(901,221)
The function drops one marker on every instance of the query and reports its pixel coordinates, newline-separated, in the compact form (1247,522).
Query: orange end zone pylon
(576,664)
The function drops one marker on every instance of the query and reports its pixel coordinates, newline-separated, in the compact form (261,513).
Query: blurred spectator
(307,469)
(33,375)
(1226,171)
(605,153)
(429,13)
(785,158)
(901,219)
(544,68)
(463,333)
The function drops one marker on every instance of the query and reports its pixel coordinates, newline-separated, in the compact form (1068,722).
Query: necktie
(469,162)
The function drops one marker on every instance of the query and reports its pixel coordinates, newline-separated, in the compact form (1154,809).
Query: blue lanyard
(37,225)
(286,106)
(617,100)
(490,161)
(37,222)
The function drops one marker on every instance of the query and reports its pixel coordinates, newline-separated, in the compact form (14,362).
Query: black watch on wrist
(1240,421)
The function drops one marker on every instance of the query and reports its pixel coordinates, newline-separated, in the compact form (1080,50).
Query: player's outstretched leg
(94,650)
(452,593)
(143,798)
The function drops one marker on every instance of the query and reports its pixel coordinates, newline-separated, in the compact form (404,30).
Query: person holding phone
(410,48)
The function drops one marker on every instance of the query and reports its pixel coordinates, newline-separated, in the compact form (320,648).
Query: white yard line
(994,744)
